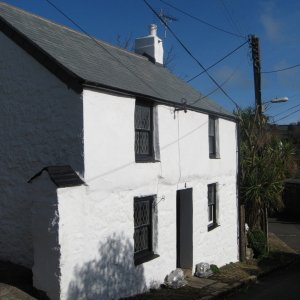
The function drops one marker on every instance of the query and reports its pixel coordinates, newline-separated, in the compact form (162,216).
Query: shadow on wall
(113,276)
(41,125)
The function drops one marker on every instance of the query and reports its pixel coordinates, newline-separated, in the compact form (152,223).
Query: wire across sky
(215,70)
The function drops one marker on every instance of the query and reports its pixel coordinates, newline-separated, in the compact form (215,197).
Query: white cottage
(113,171)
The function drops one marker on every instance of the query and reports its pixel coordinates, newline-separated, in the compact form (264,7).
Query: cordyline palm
(265,163)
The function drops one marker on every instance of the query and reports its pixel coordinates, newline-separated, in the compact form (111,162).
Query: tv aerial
(166,19)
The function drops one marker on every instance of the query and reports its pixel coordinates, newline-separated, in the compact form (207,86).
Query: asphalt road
(280,285)
(283,284)
(287,231)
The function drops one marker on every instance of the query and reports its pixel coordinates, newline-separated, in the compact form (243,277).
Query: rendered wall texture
(96,239)
(44,123)
(41,125)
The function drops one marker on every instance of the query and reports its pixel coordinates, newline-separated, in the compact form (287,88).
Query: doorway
(184,228)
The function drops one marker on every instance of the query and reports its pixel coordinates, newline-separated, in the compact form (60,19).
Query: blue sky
(275,22)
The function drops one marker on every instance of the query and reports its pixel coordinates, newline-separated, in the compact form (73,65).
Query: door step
(187,272)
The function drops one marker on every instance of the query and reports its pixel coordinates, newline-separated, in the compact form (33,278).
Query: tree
(266,162)
(169,59)
(125,43)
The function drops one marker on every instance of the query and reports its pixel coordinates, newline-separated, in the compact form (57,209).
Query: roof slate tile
(99,63)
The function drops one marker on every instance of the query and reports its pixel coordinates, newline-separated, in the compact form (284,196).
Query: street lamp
(279,100)
(275,100)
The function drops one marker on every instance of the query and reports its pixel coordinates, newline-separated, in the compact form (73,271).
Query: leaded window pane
(141,241)
(143,130)
(143,224)
(142,143)
(141,213)
(142,117)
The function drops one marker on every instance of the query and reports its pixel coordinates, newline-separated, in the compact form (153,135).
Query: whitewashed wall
(42,122)
(41,125)
(96,239)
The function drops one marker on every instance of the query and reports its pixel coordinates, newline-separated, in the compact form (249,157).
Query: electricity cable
(216,89)
(71,20)
(201,21)
(101,46)
(227,11)
(286,110)
(280,70)
(220,60)
(190,54)
(286,116)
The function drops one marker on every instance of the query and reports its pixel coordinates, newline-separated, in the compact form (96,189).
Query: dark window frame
(138,156)
(144,255)
(212,206)
(212,137)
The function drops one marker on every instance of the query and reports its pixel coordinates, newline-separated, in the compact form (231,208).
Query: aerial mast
(167,19)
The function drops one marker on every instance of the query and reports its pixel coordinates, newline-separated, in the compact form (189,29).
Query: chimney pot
(153,29)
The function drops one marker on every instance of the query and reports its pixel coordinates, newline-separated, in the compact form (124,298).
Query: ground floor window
(143,229)
(212,205)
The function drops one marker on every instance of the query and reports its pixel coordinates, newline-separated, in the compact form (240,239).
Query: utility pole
(254,42)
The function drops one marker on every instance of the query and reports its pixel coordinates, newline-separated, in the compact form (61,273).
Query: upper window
(143,123)
(143,229)
(212,205)
(213,137)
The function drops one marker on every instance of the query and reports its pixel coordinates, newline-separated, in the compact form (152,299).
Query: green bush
(214,269)
(258,242)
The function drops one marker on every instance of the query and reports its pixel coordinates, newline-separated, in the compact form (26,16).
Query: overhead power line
(73,22)
(191,55)
(202,21)
(220,60)
(282,112)
(101,46)
(227,11)
(280,70)
(286,116)
(216,89)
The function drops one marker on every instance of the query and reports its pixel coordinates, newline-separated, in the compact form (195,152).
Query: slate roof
(62,176)
(93,62)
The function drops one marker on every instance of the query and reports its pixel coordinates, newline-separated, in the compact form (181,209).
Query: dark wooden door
(184,228)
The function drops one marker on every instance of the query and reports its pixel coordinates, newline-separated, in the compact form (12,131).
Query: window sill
(214,156)
(145,258)
(146,160)
(212,226)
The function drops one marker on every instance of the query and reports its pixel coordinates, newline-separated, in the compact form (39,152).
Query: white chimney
(150,45)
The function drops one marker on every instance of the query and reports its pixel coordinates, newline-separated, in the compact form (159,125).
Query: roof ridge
(73,30)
